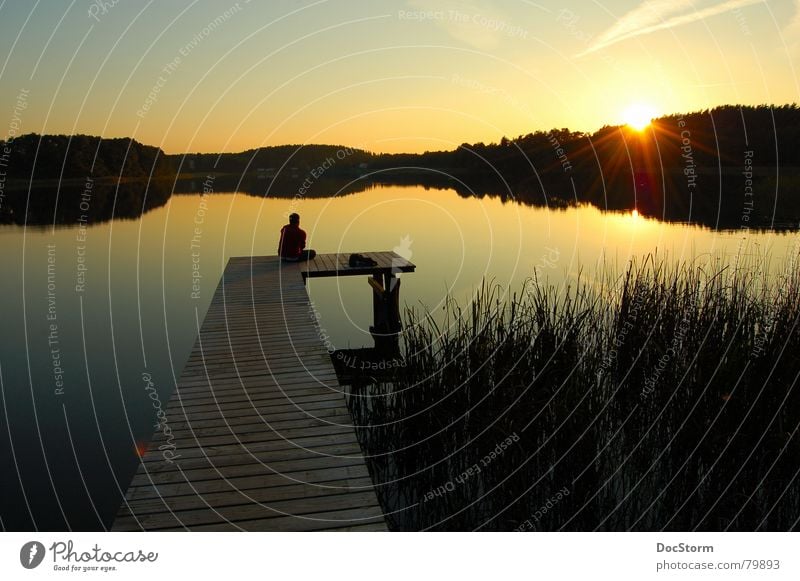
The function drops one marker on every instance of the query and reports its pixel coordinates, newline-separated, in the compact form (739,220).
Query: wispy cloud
(654,15)
(792,30)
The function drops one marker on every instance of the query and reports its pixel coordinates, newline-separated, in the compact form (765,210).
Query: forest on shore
(728,167)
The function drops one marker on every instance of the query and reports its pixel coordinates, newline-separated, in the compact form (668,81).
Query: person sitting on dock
(292,243)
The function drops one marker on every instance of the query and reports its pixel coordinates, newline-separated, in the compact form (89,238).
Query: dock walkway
(261,438)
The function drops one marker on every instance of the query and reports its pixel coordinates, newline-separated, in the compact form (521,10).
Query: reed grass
(662,399)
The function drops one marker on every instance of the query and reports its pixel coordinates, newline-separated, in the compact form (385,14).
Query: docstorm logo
(31,554)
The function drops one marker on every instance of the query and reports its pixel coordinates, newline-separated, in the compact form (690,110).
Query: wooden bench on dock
(260,437)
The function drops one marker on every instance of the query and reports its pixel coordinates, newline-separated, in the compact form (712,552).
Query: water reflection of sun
(635,220)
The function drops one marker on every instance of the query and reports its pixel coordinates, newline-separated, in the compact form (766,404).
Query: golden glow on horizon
(639,115)
(360,75)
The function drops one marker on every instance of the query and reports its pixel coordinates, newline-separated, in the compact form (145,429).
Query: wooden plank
(333,417)
(272,361)
(239,497)
(273,368)
(320,478)
(273,404)
(278,409)
(268,434)
(264,397)
(322,263)
(345,450)
(303,523)
(251,469)
(265,511)
(299,431)
(297,387)
(249,357)
(314,443)
(324,381)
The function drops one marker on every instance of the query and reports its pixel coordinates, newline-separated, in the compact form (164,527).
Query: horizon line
(708,110)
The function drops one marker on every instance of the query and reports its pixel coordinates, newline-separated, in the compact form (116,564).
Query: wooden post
(385,312)
(392,286)
(378,309)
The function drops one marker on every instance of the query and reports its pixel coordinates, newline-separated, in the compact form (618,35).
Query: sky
(387,76)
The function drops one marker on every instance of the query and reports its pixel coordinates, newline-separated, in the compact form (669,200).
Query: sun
(638,115)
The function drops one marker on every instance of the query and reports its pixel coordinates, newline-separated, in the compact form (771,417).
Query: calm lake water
(93,317)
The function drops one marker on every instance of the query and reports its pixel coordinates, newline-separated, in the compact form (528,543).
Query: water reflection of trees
(651,194)
(67,204)
(724,210)
(90,202)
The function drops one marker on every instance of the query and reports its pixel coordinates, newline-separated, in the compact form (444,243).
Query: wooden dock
(260,435)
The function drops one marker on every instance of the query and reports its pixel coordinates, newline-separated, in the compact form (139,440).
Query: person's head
(294,219)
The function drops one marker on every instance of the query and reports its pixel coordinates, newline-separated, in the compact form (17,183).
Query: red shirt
(292,241)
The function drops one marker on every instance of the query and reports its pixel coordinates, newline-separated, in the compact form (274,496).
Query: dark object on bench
(361,260)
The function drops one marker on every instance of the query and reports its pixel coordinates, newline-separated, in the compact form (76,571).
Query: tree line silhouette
(728,167)
(58,179)
(38,157)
